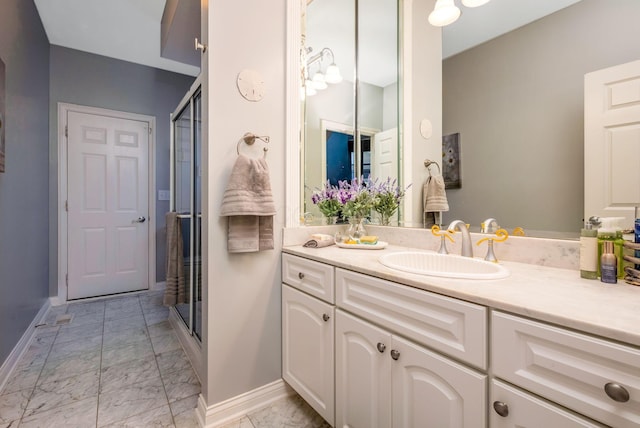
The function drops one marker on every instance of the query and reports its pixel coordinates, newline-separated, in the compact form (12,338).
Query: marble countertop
(554,295)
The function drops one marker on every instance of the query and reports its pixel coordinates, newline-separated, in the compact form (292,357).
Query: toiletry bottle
(608,264)
(588,252)
(618,250)
(637,238)
(606,233)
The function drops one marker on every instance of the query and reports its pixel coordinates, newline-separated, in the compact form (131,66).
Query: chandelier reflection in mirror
(320,80)
(446,12)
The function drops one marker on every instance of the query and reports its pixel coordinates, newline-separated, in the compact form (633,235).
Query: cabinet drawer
(456,328)
(519,410)
(309,276)
(572,369)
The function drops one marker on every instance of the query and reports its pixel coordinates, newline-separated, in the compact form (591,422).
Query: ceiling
(128,30)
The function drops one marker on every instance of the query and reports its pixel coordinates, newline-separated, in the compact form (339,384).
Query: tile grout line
(155,359)
(33,389)
(104,319)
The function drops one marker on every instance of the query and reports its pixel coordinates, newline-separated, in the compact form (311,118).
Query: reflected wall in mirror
(517,102)
(351,126)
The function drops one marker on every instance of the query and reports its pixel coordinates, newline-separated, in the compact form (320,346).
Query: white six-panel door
(612,142)
(107,182)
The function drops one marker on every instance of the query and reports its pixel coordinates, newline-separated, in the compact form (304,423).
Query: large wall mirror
(350,101)
(516,100)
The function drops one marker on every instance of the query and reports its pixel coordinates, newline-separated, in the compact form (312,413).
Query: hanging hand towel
(176,290)
(248,202)
(434,195)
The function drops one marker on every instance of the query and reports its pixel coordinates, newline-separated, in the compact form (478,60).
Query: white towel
(434,195)
(319,240)
(248,202)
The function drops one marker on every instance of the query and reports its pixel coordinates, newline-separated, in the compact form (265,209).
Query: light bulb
(318,82)
(474,3)
(332,75)
(444,13)
(309,90)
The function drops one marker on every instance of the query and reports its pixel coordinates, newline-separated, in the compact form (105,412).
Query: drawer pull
(300,275)
(501,408)
(616,392)
(395,354)
(325,317)
(381,347)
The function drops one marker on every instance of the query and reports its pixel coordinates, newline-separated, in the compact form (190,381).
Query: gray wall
(517,102)
(92,80)
(24,49)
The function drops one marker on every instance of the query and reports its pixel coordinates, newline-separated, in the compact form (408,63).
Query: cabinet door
(307,349)
(431,391)
(363,374)
(513,408)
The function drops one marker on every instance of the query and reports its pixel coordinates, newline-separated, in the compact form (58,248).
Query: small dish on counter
(377,246)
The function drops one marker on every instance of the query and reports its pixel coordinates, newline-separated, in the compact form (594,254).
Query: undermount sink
(448,266)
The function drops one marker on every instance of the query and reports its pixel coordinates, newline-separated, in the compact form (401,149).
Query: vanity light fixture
(319,81)
(446,12)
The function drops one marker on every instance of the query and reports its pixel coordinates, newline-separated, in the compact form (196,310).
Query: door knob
(395,354)
(381,347)
(140,220)
(325,317)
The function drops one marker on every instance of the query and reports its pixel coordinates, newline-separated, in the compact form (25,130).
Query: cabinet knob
(325,317)
(300,275)
(616,392)
(381,347)
(501,408)
(395,354)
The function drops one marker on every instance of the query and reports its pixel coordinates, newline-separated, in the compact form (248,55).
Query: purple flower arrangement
(356,198)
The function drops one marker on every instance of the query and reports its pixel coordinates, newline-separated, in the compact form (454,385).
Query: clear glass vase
(330,220)
(356,228)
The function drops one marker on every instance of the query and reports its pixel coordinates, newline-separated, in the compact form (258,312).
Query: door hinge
(149,130)
(66,206)
(66,279)
(66,131)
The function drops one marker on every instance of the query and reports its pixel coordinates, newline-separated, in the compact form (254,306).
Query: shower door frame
(187,102)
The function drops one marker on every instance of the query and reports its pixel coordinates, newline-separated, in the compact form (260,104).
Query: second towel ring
(428,163)
(250,138)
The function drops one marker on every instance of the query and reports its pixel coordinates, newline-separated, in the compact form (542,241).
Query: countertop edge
(553,295)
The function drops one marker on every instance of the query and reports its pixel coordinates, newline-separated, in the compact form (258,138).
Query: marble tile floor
(118,363)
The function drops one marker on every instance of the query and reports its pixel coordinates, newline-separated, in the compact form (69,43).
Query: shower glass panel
(186,145)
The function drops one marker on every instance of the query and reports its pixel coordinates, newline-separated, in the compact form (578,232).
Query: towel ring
(249,139)
(428,163)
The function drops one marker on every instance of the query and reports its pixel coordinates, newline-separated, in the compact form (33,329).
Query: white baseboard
(235,408)
(11,362)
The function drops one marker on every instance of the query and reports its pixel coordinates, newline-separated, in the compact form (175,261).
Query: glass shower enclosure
(186,200)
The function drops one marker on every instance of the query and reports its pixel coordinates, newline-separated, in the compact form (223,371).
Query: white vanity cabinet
(308,333)
(383,379)
(514,408)
(596,378)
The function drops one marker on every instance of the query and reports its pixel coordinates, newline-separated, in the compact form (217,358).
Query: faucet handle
(436,231)
(501,235)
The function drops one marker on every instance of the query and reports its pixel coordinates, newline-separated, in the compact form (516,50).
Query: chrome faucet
(486,225)
(467,249)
